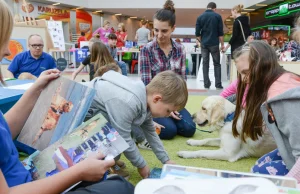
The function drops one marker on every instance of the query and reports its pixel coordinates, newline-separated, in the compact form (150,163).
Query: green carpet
(179,143)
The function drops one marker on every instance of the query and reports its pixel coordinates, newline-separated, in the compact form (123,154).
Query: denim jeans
(184,127)
(215,53)
(123,67)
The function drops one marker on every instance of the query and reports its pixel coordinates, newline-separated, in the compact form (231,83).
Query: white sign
(57,34)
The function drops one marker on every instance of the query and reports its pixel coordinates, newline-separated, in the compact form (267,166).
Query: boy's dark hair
(82,34)
(167,14)
(212,5)
(112,36)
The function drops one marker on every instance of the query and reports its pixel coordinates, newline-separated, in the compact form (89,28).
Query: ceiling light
(56,4)
(249,9)
(98,11)
(79,7)
(134,17)
(261,5)
(118,14)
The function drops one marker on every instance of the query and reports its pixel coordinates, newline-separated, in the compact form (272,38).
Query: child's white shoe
(144,145)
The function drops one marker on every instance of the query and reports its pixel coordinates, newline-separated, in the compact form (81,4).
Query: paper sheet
(20,87)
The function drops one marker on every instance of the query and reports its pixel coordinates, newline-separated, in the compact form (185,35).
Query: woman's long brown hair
(100,56)
(264,69)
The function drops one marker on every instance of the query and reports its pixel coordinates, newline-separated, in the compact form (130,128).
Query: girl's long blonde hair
(100,56)
(6,26)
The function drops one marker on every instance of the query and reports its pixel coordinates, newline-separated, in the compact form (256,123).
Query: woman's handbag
(242,31)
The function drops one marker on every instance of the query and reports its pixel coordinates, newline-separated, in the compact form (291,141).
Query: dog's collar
(229,117)
(56,111)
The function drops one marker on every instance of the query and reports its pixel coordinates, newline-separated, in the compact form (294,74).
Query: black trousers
(215,53)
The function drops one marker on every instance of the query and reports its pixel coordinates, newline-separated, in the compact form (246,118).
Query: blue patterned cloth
(271,164)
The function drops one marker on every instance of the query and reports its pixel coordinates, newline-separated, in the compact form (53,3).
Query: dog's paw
(185,154)
(193,142)
(190,142)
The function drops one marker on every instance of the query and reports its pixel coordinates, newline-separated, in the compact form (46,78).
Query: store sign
(43,11)
(283,9)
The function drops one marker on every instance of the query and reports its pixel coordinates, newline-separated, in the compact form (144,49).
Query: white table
(131,51)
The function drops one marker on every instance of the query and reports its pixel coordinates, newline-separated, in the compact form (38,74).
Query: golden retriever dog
(59,105)
(217,113)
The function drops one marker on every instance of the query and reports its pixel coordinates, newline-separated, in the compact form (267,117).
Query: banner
(43,11)
(283,9)
(84,23)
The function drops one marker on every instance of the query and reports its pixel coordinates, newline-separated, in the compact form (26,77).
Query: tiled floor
(195,87)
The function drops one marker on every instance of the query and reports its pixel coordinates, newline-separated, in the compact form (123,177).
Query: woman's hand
(45,78)
(175,115)
(94,167)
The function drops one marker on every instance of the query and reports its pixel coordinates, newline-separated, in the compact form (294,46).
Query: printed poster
(84,23)
(57,34)
(16,46)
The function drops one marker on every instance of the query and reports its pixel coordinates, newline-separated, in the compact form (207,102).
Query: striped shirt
(153,60)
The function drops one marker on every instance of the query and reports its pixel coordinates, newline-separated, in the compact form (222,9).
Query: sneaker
(116,170)
(121,164)
(219,88)
(144,145)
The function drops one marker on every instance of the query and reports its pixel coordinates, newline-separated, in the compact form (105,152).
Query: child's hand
(158,127)
(144,172)
(170,162)
(93,168)
(45,78)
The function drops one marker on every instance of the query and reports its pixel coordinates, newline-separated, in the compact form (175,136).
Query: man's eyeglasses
(37,46)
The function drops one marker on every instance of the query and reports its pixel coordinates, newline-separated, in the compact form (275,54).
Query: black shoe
(219,88)
(207,87)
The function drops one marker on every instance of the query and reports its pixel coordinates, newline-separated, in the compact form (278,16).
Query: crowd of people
(157,101)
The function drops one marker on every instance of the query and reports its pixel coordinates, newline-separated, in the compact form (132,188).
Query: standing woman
(121,35)
(164,54)
(103,31)
(241,29)
(143,35)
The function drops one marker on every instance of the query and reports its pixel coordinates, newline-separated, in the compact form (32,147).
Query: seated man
(34,61)
(111,46)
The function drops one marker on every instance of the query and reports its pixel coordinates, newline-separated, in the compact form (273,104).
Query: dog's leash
(227,119)
(180,116)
